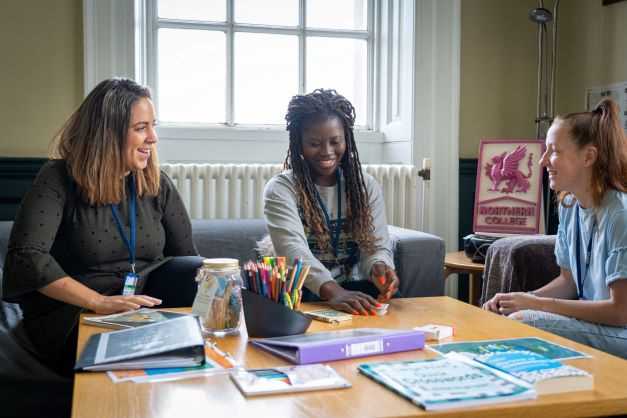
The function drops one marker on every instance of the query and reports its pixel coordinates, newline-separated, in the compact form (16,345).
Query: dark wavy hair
(601,128)
(92,143)
(302,112)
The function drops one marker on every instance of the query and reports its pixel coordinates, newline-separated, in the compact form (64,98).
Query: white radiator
(219,191)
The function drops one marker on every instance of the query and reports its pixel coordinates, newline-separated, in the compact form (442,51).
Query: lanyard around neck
(335,232)
(129,242)
(581,277)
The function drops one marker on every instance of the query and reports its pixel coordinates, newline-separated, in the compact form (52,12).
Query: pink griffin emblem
(504,168)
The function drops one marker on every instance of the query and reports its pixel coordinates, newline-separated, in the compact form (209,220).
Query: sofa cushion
(232,238)
(519,264)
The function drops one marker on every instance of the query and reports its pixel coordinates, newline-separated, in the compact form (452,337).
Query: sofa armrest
(519,264)
(419,259)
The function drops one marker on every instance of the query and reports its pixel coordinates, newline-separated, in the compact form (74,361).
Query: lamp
(545,99)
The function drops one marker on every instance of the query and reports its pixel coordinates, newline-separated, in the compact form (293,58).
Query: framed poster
(508,194)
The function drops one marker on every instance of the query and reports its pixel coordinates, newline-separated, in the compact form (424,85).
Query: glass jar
(218,300)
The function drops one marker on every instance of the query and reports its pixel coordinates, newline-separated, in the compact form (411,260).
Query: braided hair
(302,111)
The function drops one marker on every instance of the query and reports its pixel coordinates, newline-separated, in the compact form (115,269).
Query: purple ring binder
(342,344)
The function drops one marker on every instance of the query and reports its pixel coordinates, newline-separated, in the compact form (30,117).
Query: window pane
(339,64)
(337,14)
(214,10)
(266,77)
(192,76)
(267,12)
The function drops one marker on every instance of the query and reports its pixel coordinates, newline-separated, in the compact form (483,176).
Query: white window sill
(245,133)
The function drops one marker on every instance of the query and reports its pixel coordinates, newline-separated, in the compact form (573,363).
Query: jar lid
(221,263)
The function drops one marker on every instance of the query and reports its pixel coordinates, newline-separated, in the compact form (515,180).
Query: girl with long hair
(586,159)
(325,210)
(101,229)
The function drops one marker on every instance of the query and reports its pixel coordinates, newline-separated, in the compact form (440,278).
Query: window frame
(147,58)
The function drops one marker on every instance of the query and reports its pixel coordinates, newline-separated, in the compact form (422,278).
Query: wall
(498,72)
(41,80)
(592,50)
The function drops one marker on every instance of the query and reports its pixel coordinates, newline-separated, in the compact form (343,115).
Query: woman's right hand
(353,302)
(118,303)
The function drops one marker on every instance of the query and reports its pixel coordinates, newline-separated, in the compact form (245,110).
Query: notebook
(304,378)
(342,344)
(174,343)
(329,315)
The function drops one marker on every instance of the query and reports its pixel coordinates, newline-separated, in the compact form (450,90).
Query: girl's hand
(119,303)
(517,301)
(385,279)
(493,304)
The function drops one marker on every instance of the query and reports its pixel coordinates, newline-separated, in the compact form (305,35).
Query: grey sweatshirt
(288,234)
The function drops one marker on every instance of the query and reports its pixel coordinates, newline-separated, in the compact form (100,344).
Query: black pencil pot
(266,318)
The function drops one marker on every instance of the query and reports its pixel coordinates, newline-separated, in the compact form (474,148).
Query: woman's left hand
(385,280)
(517,301)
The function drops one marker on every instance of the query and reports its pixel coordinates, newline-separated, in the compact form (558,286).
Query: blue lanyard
(130,244)
(581,278)
(335,232)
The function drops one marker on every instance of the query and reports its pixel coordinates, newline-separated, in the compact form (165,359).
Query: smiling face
(324,145)
(141,136)
(569,166)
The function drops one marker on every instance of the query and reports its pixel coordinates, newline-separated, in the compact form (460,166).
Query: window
(238,62)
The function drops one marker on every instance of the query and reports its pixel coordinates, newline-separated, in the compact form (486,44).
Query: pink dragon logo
(504,168)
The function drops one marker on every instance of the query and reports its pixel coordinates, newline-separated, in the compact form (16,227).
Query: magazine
(535,345)
(131,319)
(452,381)
(254,382)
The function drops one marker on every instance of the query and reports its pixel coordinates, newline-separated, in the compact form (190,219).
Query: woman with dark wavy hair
(586,158)
(327,211)
(101,229)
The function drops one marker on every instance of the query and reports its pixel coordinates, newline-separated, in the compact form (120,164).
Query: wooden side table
(458,262)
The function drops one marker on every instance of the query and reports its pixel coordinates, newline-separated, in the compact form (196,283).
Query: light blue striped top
(608,261)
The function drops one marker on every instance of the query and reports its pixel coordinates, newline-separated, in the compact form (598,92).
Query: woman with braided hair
(586,158)
(325,210)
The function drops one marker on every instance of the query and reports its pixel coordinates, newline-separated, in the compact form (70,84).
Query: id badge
(130,282)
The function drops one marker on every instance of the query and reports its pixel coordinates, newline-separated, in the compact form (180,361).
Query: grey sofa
(519,264)
(33,388)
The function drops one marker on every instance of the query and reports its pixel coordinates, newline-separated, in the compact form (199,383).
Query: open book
(174,343)
(453,381)
(255,382)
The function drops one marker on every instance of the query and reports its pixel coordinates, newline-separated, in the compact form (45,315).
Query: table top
(96,395)
(459,260)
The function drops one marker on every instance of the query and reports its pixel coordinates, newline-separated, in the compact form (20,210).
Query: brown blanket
(519,264)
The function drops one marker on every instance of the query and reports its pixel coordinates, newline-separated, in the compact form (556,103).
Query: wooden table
(459,262)
(96,396)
